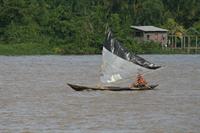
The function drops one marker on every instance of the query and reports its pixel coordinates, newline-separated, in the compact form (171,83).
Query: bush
(151,47)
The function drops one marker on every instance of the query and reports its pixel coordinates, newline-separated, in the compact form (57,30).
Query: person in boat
(140,82)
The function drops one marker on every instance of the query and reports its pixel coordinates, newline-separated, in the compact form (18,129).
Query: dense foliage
(78,26)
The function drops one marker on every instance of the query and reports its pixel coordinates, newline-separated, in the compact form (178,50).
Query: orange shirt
(141,80)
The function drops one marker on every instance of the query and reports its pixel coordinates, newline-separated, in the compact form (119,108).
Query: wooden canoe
(110,88)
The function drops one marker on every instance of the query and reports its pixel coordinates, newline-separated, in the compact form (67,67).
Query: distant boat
(118,64)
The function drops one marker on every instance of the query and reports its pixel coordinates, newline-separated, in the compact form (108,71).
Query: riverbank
(52,49)
(45,49)
(25,49)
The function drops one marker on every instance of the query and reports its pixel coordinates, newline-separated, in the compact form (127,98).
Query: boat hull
(110,88)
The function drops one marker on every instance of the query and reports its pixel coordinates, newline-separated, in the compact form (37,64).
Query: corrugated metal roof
(148,28)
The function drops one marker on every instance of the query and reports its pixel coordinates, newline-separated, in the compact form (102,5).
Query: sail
(118,63)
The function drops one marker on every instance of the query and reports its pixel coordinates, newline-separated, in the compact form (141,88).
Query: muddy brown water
(34,97)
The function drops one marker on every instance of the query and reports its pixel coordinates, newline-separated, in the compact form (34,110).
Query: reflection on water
(34,97)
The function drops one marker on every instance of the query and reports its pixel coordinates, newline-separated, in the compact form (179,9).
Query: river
(34,97)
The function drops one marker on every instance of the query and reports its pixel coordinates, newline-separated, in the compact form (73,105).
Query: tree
(151,13)
(173,26)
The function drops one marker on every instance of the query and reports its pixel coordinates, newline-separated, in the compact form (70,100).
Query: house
(151,33)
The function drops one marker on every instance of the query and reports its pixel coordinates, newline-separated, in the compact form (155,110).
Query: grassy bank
(50,49)
(45,49)
(25,49)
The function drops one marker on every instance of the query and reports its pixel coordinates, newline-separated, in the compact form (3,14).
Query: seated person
(140,82)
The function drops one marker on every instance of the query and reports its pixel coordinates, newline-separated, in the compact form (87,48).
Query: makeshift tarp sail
(118,63)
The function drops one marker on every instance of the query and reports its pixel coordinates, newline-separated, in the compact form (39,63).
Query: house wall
(160,37)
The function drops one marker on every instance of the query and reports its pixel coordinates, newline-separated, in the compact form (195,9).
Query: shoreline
(26,49)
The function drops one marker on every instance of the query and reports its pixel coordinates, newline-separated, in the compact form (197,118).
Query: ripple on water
(34,96)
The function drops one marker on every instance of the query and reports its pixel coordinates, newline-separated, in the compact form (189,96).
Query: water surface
(34,97)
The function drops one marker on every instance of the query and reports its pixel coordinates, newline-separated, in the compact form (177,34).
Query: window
(138,34)
(148,36)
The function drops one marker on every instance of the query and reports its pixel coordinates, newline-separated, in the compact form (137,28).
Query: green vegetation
(78,26)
